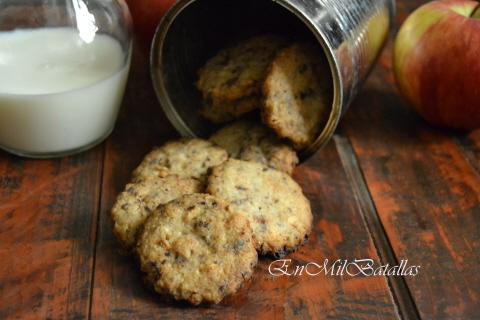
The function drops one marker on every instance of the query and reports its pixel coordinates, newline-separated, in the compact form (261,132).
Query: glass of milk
(63,70)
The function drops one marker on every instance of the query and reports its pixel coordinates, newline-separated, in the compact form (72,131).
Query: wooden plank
(48,219)
(425,185)
(404,300)
(339,232)
(470,145)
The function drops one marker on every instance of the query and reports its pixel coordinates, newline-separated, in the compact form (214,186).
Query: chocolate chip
(260,220)
(306,93)
(153,270)
(232,81)
(202,224)
(238,246)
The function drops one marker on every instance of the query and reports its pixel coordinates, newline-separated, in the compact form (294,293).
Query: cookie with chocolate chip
(196,249)
(187,158)
(251,141)
(279,213)
(231,81)
(138,200)
(298,94)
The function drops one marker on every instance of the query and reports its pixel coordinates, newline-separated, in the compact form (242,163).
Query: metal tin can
(351,33)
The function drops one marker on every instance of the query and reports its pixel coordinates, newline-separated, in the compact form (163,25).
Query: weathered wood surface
(425,184)
(388,187)
(48,219)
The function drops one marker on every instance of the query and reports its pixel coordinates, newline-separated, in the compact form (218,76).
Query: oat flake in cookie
(195,249)
(135,204)
(231,82)
(251,141)
(187,158)
(298,92)
(273,202)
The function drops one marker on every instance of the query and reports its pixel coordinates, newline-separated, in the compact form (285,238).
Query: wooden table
(388,187)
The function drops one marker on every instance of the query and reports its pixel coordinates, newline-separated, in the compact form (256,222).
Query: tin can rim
(156,54)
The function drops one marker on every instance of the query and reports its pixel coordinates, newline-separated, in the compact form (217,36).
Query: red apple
(437,62)
(146,15)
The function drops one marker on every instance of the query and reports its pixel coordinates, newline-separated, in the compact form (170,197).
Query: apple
(437,62)
(146,15)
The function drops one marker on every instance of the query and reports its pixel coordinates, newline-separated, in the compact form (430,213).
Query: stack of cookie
(197,213)
(197,217)
(289,83)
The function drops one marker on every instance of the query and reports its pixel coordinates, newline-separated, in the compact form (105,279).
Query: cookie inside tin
(195,31)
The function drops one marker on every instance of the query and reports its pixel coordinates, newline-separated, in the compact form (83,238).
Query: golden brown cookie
(231,82)
(273,202)
(196,249)
(138,200)
(251,141)
(187,158)
(298,91)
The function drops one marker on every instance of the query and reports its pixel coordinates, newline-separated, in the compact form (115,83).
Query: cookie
(226,111)
(298,91)
(187,158)
(250,141)
(135,204)
(196,249)
(231,81)
(279,213)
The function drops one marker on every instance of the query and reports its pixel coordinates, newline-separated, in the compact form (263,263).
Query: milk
(58,93)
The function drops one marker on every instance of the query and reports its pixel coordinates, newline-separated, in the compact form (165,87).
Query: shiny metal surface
(351,33)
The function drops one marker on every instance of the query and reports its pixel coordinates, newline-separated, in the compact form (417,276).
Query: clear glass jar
(63,69)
